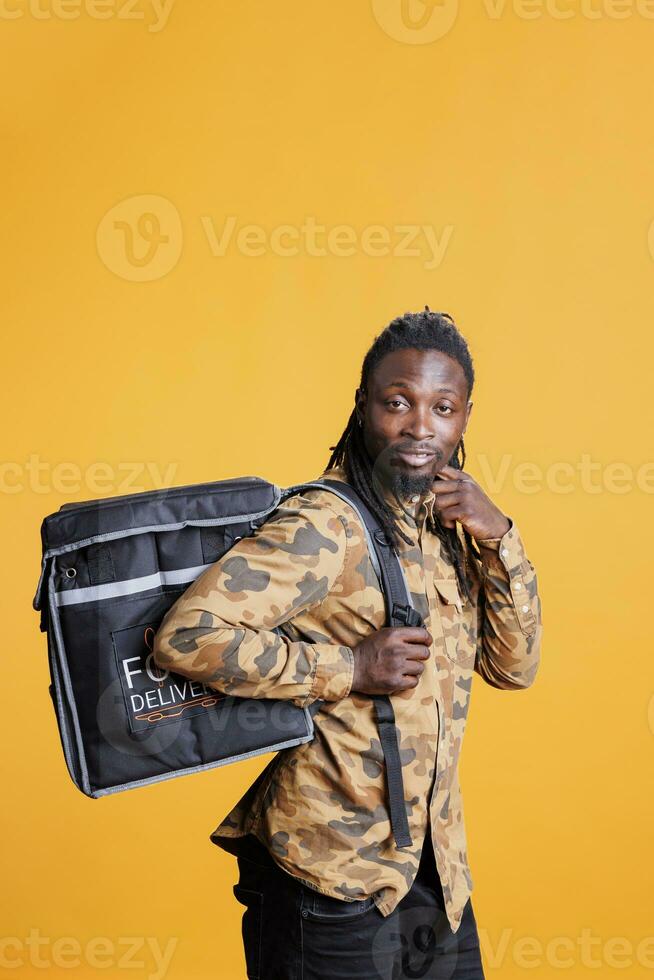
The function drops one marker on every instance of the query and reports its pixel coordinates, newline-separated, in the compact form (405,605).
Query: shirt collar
(410,507)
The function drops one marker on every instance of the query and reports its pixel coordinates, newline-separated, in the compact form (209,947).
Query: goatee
(406,485)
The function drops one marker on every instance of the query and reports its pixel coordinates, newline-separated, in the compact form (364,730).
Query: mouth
(416,459)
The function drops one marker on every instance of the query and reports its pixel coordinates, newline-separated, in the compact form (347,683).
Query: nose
(419,425)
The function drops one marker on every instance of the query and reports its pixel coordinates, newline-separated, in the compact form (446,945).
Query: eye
(445,410)
(394,401)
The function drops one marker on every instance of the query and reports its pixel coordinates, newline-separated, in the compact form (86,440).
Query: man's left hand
(460,498)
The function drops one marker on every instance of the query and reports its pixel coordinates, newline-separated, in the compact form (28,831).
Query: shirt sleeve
(509,613)
(221,631)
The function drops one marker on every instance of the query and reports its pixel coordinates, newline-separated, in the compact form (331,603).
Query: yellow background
(530,138)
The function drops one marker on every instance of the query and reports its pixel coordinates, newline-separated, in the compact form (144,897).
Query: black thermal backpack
(111,568)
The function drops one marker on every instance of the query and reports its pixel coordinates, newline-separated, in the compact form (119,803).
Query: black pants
(291,932)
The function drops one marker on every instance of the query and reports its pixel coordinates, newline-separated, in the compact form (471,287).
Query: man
(328,892)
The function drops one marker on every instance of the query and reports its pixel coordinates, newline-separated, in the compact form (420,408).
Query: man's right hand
(391,659)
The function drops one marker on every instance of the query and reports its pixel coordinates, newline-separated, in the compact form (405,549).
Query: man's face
(416,401)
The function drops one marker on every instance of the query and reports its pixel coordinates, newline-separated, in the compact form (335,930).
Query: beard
(405,484)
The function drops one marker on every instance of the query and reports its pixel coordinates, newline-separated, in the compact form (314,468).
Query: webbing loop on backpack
(100,563)
(393,764)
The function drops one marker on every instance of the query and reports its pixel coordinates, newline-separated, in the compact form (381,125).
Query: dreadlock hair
(426,330)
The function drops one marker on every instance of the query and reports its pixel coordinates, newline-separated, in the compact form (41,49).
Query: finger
(407,682)
(410,634)
(452,477)
(443,504)
(414,634)
(453,500)
(419,650)
(444,487)
(416,653)
(449,472)
(413,668)
(450,515)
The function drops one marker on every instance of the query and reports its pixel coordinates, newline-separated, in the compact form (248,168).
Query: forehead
(424,370)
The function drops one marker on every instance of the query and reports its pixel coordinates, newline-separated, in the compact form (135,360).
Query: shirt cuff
(494,543)
(506,558)
(334,672)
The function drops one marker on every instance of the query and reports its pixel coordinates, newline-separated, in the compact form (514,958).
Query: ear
(360,403)
(468,411)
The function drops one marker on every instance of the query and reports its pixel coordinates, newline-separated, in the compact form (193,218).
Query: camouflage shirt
(320,808)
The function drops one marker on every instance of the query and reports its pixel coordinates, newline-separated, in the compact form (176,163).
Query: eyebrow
(403,384)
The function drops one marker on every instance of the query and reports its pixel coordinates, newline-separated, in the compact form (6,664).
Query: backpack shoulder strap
(400,612)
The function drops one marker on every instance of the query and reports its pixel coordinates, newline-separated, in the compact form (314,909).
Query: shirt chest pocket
(456,622)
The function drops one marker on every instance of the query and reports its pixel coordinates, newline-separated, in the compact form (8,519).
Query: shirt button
(505,552)
(518,585)
(525,608)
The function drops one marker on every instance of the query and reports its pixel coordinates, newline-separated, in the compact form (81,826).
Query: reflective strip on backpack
(93,593)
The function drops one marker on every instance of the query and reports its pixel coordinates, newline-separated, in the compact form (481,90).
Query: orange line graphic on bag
(148,638)
(157,715)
